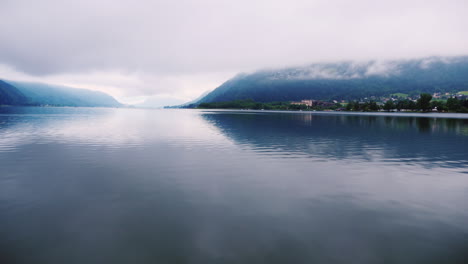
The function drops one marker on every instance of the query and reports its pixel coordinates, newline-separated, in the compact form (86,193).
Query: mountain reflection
(431,141)
(153,186)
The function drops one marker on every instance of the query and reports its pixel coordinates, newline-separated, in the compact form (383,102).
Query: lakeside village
(437,102)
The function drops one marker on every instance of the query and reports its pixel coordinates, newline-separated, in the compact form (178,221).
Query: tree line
(424,103)
(247,104)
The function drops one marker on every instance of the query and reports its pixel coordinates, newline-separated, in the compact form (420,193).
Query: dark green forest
(347,81)
(425,103)
(10,95)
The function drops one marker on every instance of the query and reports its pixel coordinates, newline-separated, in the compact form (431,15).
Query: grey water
(91,185)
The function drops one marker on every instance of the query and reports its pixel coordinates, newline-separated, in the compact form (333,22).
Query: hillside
(9,95)
(190,103)
(347,80)
(46,94)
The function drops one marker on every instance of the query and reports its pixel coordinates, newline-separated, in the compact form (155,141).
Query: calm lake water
(84,185)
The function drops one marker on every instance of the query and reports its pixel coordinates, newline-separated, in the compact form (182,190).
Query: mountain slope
(190,103)
(347,80)
(46,94)
(9,95)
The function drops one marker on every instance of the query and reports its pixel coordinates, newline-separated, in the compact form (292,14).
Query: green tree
(439,105)
(373,106)
(352,106)
(424,102)
(356,106)
(389,105)
(411,105)
(453,104)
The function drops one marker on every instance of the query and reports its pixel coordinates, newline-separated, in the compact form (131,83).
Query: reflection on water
(410,140)
(82,185)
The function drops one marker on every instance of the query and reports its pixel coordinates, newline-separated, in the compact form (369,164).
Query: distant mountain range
(159,102)
(38,94)
(191,103)
(347,80)
(321,81)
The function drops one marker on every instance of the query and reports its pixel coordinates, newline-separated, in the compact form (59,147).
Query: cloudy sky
(177,49)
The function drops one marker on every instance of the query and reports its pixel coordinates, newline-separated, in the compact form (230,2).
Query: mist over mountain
(9,95)
(35,94)
(190,103)
(155,102)
(347,80)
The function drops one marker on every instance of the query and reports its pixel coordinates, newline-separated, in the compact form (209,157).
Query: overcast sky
(178,49)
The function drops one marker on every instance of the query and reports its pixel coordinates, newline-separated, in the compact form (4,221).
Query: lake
(91,185)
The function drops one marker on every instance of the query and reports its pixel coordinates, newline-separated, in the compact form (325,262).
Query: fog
(179,49)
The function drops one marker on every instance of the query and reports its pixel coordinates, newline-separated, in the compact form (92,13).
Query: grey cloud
(193,37)
(353,69)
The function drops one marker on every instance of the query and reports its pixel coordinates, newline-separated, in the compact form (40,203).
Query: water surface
(90,185)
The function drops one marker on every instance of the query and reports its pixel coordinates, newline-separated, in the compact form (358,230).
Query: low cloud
(382,68)
(145,48)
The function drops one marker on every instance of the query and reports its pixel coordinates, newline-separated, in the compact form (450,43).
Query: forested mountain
(54,95)
(347,80)
(9,95)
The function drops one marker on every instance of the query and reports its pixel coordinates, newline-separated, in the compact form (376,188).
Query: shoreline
(343,113)
(397,114)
